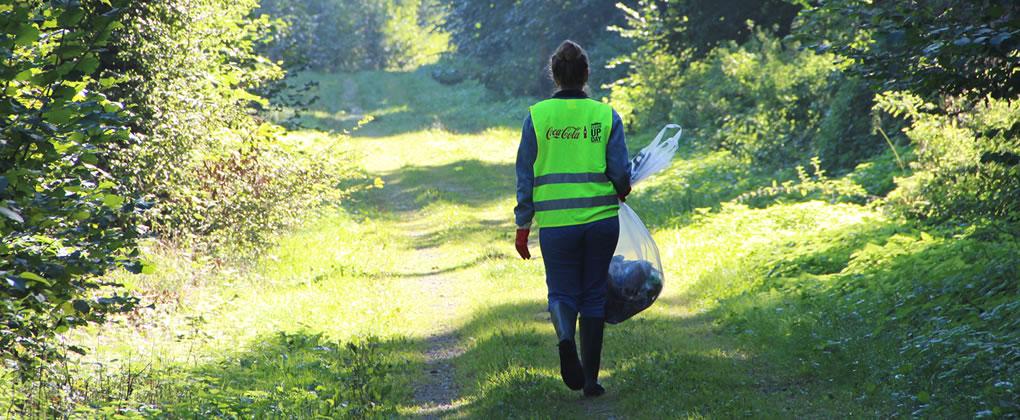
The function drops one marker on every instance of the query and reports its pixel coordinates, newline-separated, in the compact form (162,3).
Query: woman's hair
(569,66)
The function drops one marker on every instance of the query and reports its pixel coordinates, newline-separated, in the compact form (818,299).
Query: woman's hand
(522,243)
(622,195)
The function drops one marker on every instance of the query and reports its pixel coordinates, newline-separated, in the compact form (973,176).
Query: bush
(220,179)
(764,101)
(332,35)
(968,164)
(66,216)
(112,108)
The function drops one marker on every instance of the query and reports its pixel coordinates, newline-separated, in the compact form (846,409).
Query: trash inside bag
(635,273)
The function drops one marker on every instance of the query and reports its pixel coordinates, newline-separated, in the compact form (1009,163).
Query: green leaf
(88,64)
(112,200)
(26,34)
(70,17)
(11,214)
(64,92)
(59,115)
(88,158)
(113,107)
(35,277)
(24,76)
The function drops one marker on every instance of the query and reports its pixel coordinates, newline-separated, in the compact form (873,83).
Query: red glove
(622,195)
(522,243)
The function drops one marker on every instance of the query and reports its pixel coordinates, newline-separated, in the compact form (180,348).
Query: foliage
(296,375)
(814,186)
(110,109)
(943,47)
(877,175)
(334,35)
(221,179)
(187,68)
(950,304)
(767,102)
(968,165)
(698,26)
(913,322)
(489,34)
(666,39)
(67,215)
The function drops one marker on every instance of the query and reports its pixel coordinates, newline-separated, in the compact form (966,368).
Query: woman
(572,168)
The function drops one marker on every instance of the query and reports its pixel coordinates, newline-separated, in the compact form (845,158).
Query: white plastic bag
(635,273)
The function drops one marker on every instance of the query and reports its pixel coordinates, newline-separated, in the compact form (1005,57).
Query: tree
(510,43)
(941,47)
(65,216)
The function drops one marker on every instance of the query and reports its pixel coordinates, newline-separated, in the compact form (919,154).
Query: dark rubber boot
(564,320)
(591,354)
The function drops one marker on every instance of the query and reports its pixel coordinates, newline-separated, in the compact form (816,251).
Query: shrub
(968,164)
(814,186)
(219,176)
(66,216)
(764,100)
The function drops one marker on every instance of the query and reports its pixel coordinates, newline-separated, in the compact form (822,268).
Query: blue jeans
(577,264)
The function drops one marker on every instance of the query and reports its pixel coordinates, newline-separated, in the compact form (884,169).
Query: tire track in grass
(447,195)
(438,393)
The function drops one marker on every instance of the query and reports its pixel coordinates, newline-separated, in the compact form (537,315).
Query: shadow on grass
(436,271)
(462,232)
(876,315)
(469,182)
(653,366)
(902,321)
(402,102)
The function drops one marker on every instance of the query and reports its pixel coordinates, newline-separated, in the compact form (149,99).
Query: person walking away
(572,172)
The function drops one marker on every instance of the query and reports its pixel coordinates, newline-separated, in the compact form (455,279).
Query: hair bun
(569,66)
(569,51)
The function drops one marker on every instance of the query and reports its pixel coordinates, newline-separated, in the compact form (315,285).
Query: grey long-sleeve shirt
(617,161)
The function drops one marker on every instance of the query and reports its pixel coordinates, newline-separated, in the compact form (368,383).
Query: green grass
(793,308)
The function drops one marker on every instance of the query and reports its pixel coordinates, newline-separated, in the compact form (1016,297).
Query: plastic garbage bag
(635,273)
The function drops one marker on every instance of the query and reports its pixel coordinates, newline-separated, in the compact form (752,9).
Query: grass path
(423,270)
(449,182)
(446,156)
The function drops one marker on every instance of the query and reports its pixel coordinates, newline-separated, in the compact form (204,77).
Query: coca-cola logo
(566,133)
(575,133)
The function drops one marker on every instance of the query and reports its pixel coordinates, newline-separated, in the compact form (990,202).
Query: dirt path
(437,393)
(448,198)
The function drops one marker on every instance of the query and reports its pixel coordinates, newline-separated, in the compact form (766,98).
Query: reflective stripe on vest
(571,186)
(570,178)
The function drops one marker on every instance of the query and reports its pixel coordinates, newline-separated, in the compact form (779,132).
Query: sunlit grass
(740,329)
